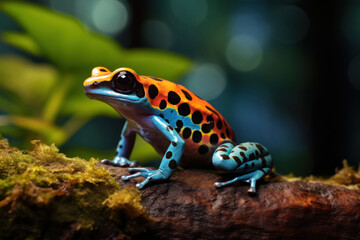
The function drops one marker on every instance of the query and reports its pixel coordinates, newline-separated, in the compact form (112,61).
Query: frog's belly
(158,141)
(190,158)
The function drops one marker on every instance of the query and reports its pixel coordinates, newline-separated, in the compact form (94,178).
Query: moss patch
(347,177)
(45,195)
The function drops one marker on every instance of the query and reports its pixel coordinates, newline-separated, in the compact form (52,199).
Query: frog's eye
(124,81)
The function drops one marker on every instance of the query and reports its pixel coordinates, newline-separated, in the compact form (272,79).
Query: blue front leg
(124,148)
(170,160)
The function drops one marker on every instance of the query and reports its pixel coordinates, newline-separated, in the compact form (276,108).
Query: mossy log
(188,206)
(46,195)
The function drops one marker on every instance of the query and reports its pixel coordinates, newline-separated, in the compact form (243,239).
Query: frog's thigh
(243,158)
(221,159)
(251,160)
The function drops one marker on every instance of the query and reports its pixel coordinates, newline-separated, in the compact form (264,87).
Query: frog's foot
(149,174)
(250,178)
(222,184)
(251,190)
(120,161)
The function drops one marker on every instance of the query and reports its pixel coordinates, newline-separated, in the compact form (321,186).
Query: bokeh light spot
(291,24)
(190,12)
(207,80)
(109,16)
(83,10)
(157,34)
(250,23)
(244,53)
(354,72)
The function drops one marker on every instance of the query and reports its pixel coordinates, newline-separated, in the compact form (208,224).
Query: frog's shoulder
(163,94)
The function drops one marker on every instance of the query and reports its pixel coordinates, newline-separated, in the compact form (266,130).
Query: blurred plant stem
(57,96)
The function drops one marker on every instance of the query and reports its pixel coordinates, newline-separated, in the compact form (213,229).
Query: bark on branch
(188,206)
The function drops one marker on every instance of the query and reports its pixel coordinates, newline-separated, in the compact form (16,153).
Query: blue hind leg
(258,174)
(243,178)
(250,177)
(251,160)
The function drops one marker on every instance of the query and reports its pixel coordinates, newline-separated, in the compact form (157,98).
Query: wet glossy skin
(183,128)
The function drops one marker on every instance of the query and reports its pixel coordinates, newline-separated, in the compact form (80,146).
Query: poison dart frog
(183,128)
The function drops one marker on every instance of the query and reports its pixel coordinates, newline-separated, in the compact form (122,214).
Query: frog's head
(121,88)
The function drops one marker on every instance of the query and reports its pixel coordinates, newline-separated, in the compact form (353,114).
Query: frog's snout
(87,89)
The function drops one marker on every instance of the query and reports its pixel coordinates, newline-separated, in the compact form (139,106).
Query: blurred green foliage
(46,101)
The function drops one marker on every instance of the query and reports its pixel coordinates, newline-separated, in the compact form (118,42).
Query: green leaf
(157,63)
(28,81)
(70,46)
(62,39)
(82,106)
(52,133)
(22,41)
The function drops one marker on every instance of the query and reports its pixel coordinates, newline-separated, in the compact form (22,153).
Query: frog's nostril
(96,83)
(102,70)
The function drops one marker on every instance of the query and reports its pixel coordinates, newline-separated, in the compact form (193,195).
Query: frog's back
(197,122)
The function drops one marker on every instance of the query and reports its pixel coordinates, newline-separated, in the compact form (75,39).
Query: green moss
(347,177)
(44,194)
(127,201)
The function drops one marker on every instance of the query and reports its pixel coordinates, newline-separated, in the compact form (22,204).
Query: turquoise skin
(183,128)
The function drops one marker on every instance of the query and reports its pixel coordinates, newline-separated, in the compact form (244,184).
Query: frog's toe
(107,162)
(115,162)
(123,164)
(218,184)
(119,161)
(125,178)
(142,185)
(133,164)
(140,170)
(149,175)
(252,190)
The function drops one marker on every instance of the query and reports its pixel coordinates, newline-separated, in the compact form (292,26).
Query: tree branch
(188,206)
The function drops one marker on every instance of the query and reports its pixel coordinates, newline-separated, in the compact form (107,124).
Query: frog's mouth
(95,90)
(103,92)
